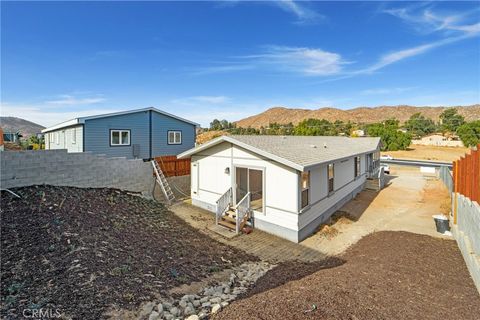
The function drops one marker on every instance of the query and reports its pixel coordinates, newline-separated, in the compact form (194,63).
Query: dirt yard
(386,275)
(432,153)
(406,204)
(89,251)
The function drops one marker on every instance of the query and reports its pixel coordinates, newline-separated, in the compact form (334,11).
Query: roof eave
(65,124)
(221,139)
(83,119)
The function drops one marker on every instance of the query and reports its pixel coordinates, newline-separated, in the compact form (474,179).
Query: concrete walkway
(407,204)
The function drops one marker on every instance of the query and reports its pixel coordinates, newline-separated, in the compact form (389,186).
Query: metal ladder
(162,181)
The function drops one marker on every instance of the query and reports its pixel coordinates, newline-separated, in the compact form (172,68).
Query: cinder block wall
(84,170)
(467,234)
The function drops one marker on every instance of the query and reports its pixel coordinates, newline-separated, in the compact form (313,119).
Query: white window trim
(333,178)
(174,137)
(74,135)
(357,166)
(119,144)
(303,189)
(57,137)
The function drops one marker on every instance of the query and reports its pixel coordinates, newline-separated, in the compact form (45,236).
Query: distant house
(13,137)
(437,139)
(288,185)
(358,133)
(142,133)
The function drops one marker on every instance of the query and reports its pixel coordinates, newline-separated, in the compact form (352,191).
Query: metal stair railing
(242,209)
(223,203)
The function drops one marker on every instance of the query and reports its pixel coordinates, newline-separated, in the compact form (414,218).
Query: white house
(284,185)
(439,140)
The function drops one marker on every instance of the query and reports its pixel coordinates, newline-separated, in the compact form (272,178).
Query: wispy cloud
(299,9)
(303,14)
(221,69)
(299,60)
(425,20)
(403,54)
(380,91)
(202,99)
(306,61)
(71,100)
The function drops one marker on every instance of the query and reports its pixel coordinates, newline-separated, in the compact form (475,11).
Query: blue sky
(205,60)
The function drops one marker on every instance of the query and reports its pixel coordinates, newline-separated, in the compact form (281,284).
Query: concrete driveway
(406,204)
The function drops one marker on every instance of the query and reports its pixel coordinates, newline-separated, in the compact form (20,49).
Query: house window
(305,187)
(357,166)
(119,137)
(57,137)
(74,135)
(174,137)
(331,174)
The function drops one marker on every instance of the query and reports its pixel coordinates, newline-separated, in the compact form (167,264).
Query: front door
(370,162)
(249,180)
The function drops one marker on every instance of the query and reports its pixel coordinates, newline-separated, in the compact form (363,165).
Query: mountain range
(283,115)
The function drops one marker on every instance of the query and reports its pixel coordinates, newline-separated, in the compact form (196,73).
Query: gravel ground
(386,275)
(85,251)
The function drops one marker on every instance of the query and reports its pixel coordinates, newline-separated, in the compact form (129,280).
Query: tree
(221,125)
(469,133)
(215,125)
(225,124)
(315,127)
(392,139)
(450,120)
(419,126)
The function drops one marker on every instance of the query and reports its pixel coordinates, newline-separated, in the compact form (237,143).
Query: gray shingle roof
(298,152)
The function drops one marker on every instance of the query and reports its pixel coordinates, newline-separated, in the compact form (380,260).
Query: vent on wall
(136,150)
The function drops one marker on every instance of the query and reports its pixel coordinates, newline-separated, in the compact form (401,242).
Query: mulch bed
(84,251)
(386,275)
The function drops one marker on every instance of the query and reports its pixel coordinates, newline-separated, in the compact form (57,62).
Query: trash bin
(441,222)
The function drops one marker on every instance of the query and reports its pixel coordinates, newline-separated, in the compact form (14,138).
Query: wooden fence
(466,175)
(466,178)
(171,166)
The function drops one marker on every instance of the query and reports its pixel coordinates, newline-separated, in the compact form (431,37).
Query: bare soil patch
(432,153)
(86,251)
(386,275)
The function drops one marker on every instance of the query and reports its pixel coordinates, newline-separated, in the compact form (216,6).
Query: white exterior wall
(209,182)
(65,139)
(345,187)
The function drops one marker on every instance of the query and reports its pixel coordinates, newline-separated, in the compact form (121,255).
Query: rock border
(208,300)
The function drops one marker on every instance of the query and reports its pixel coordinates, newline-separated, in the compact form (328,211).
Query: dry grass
(328,230)
(209,135)
(432,153)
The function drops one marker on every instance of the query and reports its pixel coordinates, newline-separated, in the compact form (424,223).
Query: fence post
(455,184)
(477,174)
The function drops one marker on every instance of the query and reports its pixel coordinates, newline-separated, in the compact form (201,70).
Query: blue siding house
(142,134)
